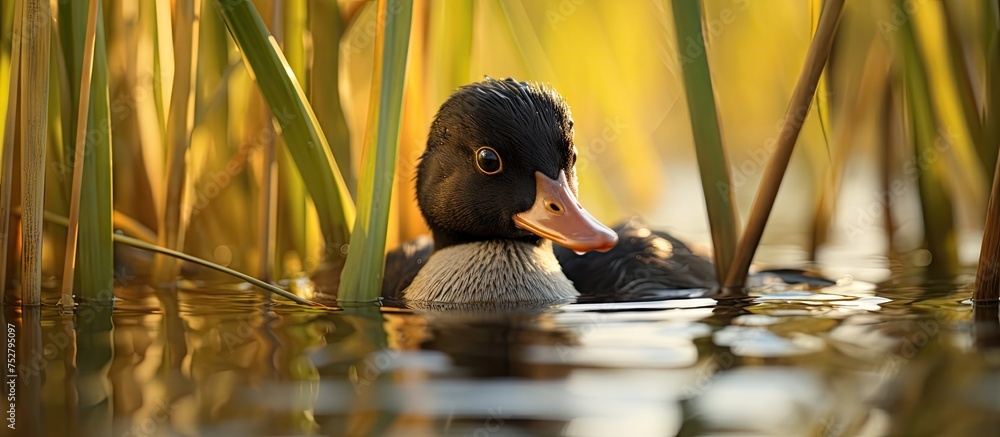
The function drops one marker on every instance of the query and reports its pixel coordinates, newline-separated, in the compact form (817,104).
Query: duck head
(499,164)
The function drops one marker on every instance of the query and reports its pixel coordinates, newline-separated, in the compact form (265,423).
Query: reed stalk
(327,25)
(299,126)
(935,202)
(34,99)
(288,25)
(83,111)
(95,256)
(798,109)
(960,84)
(712,161)
(991,113)
(267,205)
(852,113)
(180,124)
(890,137)
(362,277)
(153,118)
(450,34)
(406,222)
(10,120)
(988,274)
(987,289)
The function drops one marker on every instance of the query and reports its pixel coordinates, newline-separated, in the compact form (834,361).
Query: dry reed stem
(180,124)
(798,108)
(34,135)
(8,145)
(988,276)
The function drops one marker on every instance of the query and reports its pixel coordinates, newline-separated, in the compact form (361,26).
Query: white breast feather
(492,272)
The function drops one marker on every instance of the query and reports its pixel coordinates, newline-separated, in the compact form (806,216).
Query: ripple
(760,342)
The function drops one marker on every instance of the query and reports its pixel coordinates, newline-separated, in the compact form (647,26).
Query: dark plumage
(643,261)
(528,125)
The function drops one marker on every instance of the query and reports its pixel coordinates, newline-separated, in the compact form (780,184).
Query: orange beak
(558,216)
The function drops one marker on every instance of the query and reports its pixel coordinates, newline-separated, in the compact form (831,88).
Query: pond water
(853,359)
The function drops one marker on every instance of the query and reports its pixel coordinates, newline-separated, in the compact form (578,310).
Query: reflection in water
(846,360)
(94,349)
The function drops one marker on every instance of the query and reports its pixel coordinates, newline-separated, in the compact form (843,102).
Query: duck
(644,262)
(497,187)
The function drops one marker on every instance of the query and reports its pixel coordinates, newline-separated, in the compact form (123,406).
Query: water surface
(846,360)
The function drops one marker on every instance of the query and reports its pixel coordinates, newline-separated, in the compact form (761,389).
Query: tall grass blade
(327,28)
(960,85)
(7,19)
(267,205)
(83,111)
(712,161)
(798,109)
(96,251)
(180,124)
(988,275)
(935,203)
(822,97)
(34,98)
(153,118)
(450,37)
(852,112)
(891,138)
(299,126)
(10,118)
(828,184)
(362,277)
(405,220)
(289,18)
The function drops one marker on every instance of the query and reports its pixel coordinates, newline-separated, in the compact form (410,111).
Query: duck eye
(488,161)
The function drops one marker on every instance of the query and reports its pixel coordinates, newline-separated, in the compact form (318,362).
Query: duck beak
(558,216)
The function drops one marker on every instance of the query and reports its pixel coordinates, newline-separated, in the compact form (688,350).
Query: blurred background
(850,199)
(890,177)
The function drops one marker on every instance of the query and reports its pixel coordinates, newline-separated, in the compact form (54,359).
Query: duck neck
(444,239)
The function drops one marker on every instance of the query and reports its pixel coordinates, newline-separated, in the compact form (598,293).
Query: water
(846,360)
